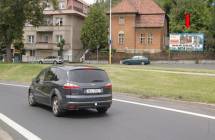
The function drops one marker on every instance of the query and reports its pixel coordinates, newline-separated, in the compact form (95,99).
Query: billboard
(186,42)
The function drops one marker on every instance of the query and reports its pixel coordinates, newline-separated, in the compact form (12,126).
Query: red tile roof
(139,6)
(148,13)
(150,20)
(124,7)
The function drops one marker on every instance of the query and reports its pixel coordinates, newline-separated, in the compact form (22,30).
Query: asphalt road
(123,121)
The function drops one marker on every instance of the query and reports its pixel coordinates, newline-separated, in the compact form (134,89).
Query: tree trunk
(8,54)
(61,51)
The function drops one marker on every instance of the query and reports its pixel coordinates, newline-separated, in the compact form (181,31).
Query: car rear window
(88,76)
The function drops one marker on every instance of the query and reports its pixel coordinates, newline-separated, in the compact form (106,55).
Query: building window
(142,39)
(59,38)
(149,40)
(48,21)
(62,5)
(32,52)
(30,38)
(46,38)
(59,21)
(121,38)
(121,20)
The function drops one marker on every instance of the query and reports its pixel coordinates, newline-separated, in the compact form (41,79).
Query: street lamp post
(110,37)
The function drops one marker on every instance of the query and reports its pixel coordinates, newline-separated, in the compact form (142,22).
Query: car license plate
(93,91)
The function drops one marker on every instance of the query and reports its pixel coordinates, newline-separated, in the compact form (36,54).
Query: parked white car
(51,60)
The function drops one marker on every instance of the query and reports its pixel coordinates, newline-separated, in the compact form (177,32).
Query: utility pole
(110,37)
(97,54)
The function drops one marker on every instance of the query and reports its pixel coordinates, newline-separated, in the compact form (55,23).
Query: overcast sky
(89,1)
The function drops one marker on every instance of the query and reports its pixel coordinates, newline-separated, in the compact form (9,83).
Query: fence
(163,56)
(35,59)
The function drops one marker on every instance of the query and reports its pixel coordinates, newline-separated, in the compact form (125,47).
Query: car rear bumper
(91,101)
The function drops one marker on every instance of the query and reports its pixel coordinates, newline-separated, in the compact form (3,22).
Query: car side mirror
(36,80)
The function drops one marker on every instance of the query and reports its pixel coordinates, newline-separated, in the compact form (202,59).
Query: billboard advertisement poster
(186,42)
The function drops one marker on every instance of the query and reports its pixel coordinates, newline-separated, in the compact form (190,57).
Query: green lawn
(134,80)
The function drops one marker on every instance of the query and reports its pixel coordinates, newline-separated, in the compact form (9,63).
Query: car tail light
(109,86)
(70,86)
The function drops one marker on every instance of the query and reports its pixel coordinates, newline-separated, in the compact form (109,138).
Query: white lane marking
(5,84)
(181,72)
(167,109)
(177,72)
(24,132)
(146,105)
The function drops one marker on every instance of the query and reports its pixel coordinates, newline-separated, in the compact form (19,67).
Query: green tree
(95,29)
(166,5)
(19,46)
(106,3)
(210,37)
(200,16)
(13,16)
(61,45)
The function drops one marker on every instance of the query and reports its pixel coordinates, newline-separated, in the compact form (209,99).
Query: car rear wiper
(95,81)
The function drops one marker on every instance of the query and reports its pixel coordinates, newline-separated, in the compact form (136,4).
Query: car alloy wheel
(31,99)
(40,62)
(143,63)
(56,109)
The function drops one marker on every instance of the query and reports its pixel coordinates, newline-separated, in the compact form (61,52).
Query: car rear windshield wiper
(95,81)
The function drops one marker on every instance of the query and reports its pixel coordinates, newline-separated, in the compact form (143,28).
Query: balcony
(41,46)
(44,46)
(50,28)
(45,29)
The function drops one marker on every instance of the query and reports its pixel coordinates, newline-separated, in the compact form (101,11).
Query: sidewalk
(4,135)
(8,133)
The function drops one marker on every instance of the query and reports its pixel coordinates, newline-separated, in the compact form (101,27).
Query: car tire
(56,108)
(40,62)
(143,63)
(102,110)
(31,99)
(55,62)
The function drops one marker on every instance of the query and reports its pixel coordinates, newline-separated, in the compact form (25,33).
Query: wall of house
(157,40)
(132,36)
(77,22)
(128,28)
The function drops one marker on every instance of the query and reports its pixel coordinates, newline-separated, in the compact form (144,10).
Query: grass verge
(134,80)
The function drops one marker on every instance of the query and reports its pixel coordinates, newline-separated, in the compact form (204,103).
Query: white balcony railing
(44,46)
(48,28)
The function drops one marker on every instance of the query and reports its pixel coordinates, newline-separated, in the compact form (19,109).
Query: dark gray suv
(71,88)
